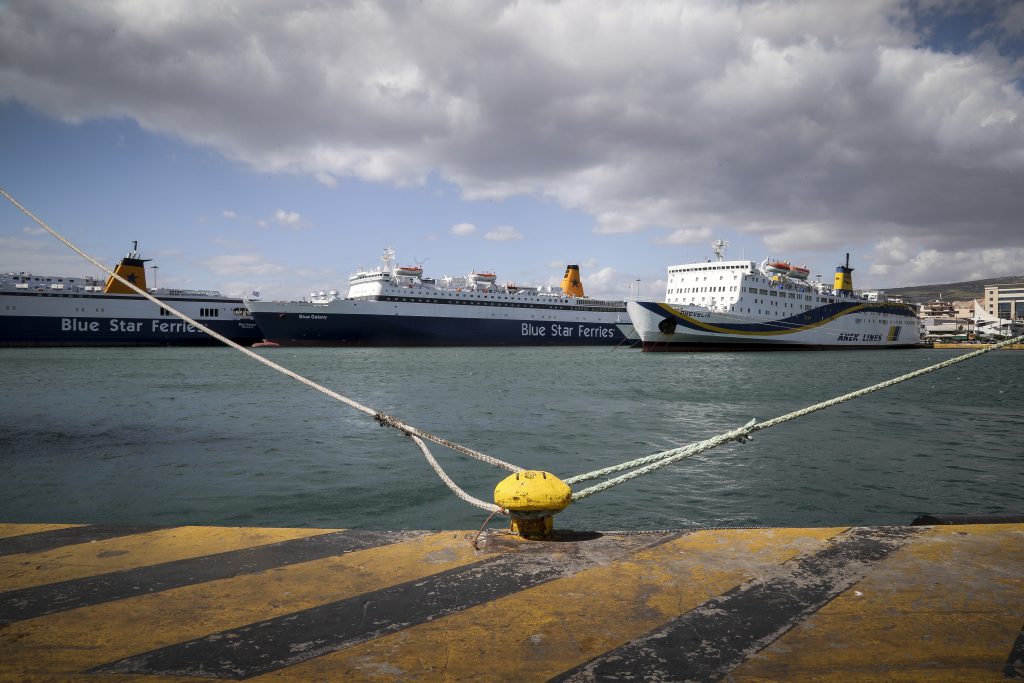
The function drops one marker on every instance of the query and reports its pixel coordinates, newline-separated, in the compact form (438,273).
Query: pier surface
(974,347)
(911,603)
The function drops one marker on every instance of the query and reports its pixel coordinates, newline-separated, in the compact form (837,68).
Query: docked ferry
(56,310)
(743,305)
(393,305)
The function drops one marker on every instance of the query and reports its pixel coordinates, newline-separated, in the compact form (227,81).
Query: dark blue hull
(295,329)
(82,331)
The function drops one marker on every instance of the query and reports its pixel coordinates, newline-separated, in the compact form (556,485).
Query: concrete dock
(901,603)
(974,347)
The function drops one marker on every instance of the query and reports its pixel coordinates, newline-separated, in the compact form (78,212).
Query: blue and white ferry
(58,310)
(395,305)
(743,305)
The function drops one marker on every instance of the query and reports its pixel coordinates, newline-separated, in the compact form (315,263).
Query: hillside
(952,291)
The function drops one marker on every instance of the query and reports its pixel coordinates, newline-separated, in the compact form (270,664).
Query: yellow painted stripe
(70,642)
(11,530)
(128,552)
(540,632)
(946,607)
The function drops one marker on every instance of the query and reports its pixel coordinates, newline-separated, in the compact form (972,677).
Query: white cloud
(585,265)
(601,280)
(901,262)
(43,256)
(686,236)
(242,265)
(230,215)
(463,229)
(325,178)
(289,219)
(807,124)
(503,233)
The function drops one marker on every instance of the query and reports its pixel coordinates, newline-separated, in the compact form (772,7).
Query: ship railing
(190,292)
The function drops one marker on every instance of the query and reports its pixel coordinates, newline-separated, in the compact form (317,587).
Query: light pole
(154,269)
(638,289)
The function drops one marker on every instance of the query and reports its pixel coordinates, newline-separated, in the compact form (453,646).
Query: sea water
(170,436)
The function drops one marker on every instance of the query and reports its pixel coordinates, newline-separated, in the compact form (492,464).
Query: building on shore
(1005,301)
(998,314)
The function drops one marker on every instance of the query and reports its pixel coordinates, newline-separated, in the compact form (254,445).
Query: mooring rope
(382,418)
(742,434)
(643,465)
(483,505)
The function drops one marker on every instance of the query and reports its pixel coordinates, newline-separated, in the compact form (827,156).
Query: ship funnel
(571,283)
(844,277)
(131,268)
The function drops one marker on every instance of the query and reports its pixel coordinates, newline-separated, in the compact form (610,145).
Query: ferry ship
(743,305)
(395,305)
(55,310)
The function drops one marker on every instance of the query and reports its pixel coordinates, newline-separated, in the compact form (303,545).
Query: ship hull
(347,322)
(840,325)
(46,319)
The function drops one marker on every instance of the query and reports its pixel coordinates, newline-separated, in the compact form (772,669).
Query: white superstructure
(743,304)
(394,305)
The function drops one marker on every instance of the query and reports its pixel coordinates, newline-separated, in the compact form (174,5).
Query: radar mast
(719,247)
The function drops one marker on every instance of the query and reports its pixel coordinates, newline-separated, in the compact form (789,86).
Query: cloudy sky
(278,146)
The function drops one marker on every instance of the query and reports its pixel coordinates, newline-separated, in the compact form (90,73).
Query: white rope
(490,507)
(658,460)
(645,464)
(383,419)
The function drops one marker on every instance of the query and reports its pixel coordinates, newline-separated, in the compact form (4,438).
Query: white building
(1005,301)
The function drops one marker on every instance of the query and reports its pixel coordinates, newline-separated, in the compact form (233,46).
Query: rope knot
(744,432)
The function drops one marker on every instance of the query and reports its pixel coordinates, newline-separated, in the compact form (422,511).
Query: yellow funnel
(131,268)
(571,283)
(844,277)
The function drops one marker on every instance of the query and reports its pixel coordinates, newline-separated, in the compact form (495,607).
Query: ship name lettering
(169,326)
(76,325)
(849,337)
(124,325)
(530,330)
(561,331)
(602,332)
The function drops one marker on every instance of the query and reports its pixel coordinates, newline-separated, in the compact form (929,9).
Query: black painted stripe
(1015,662)
(709,641)
(27,603)
(55,538)
(277,643)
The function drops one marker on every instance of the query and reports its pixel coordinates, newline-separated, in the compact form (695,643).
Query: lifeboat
(409,271)
(778,267)
(482,277)
(799,272)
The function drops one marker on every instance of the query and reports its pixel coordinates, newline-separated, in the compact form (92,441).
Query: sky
(278,147)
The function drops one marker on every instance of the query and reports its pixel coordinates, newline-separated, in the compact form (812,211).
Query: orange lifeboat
(778,267)
(482,277)
(409,271)
(799,272)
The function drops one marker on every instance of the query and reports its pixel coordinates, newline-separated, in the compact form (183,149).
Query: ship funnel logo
(572,285)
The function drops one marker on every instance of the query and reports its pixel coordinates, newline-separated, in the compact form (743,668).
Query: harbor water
(171,436)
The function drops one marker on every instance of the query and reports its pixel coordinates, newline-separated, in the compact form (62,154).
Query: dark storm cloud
(809,124)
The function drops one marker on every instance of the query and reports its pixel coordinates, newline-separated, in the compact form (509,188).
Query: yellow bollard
(532,498)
